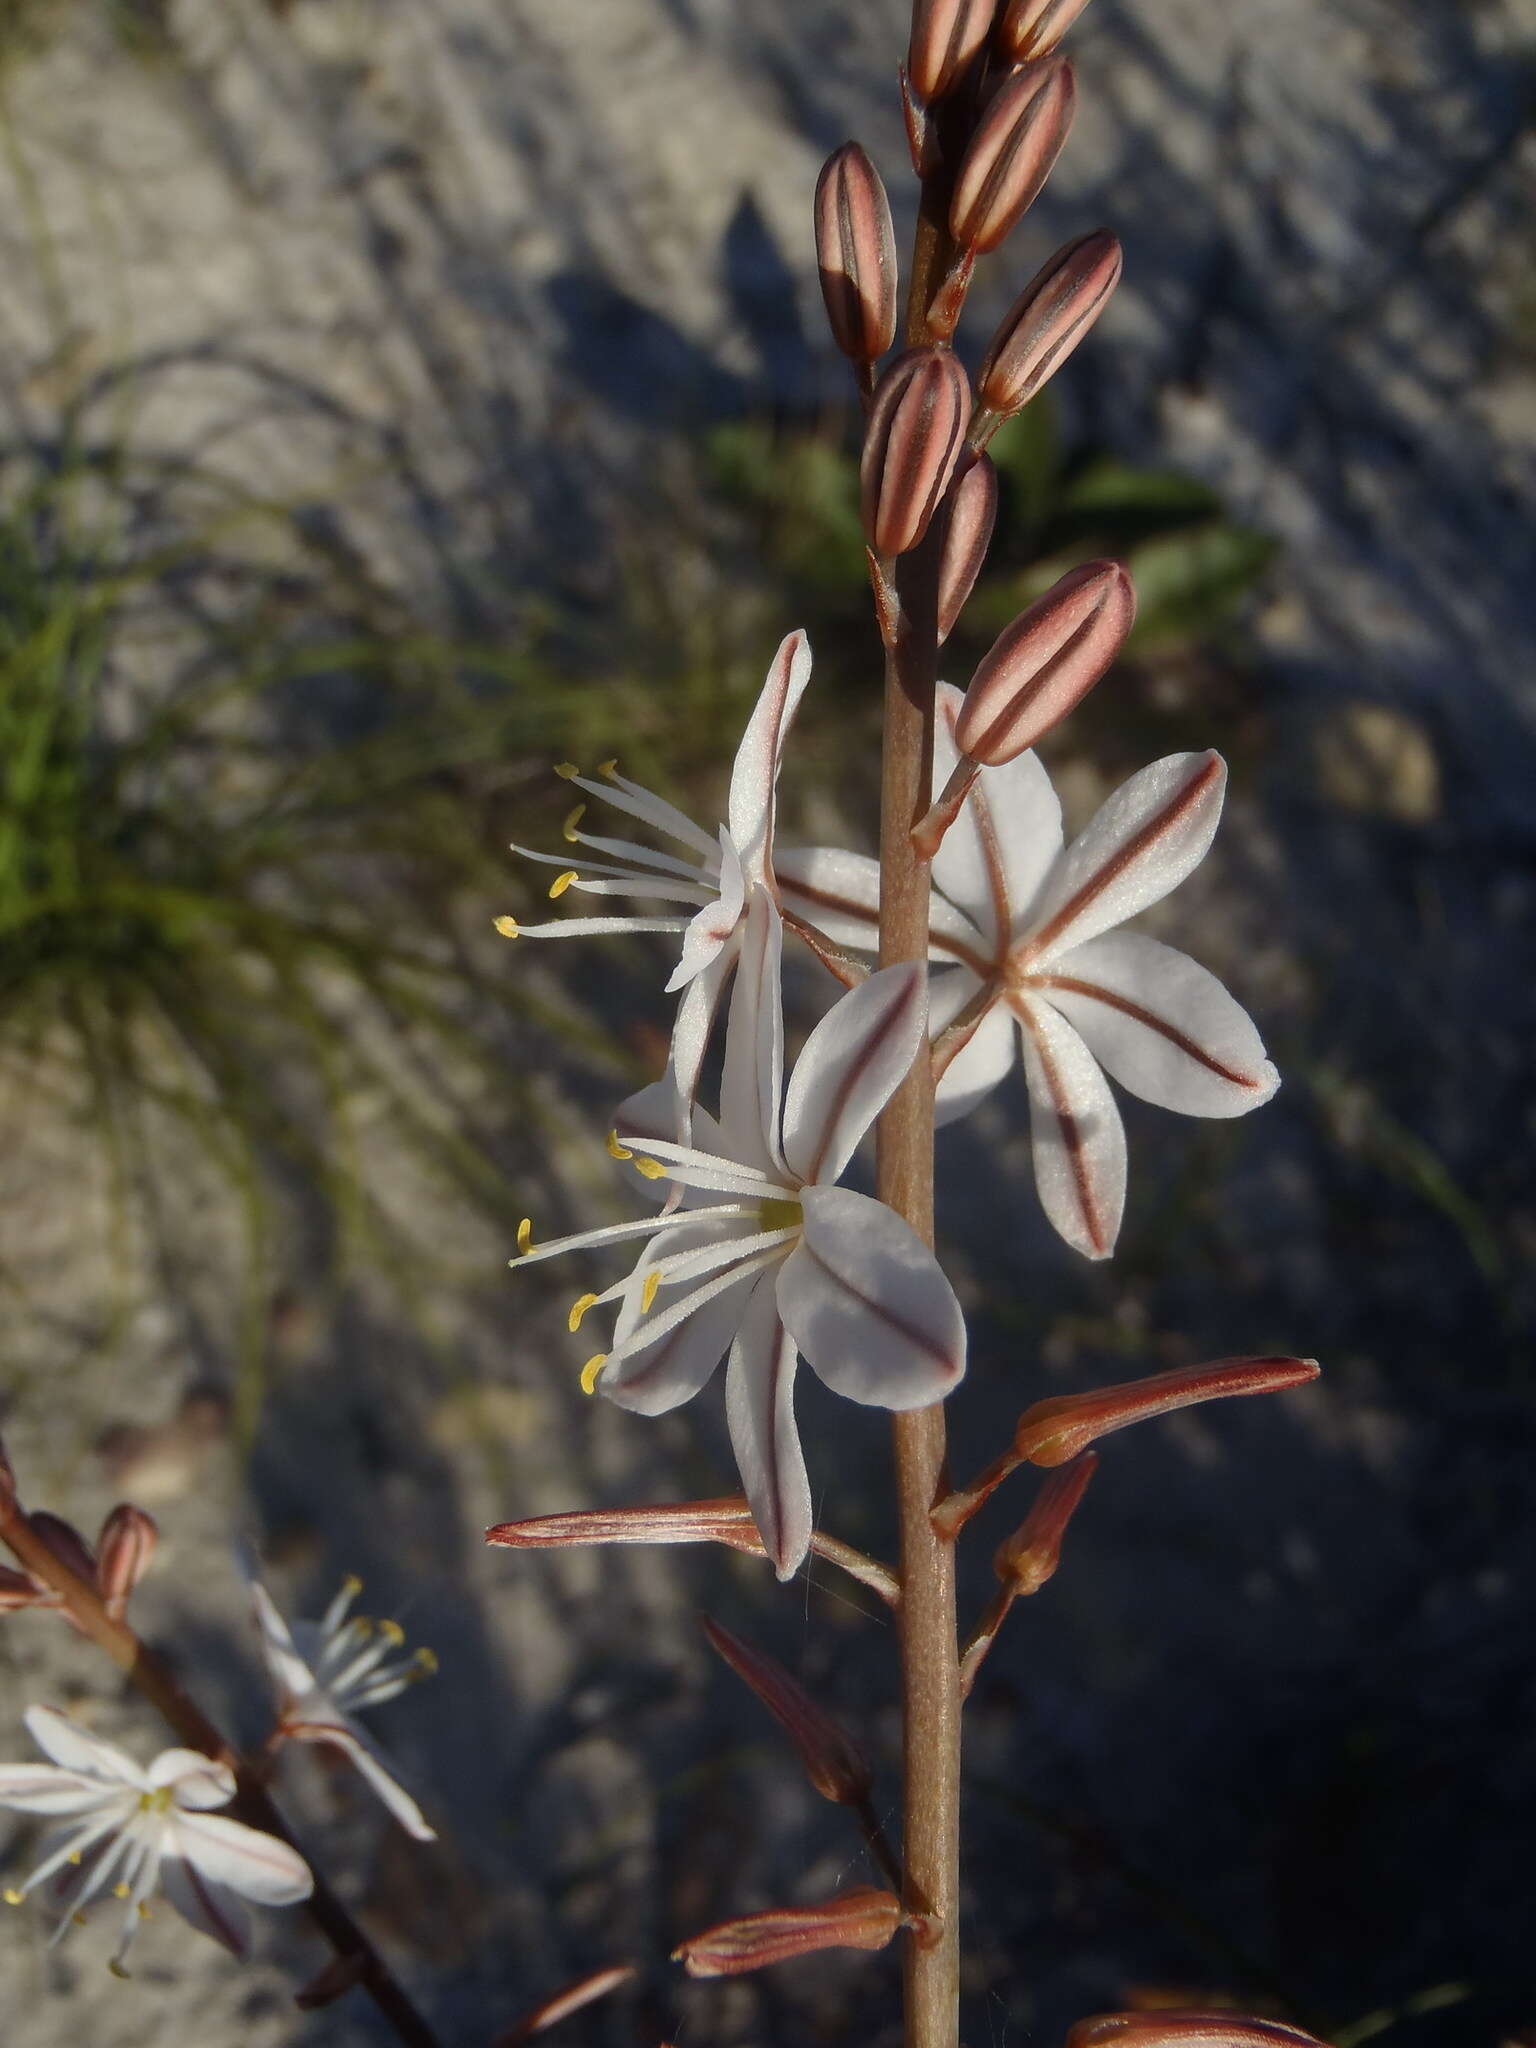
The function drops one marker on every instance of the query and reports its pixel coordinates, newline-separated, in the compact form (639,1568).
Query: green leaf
(1189,585)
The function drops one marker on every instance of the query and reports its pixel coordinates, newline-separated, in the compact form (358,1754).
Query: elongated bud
(1010,156)
(123,1552)
(1044,664)
(1031,1554)
(856,254)
(917,423)
(585,1991)
(1049,318)
(863,1918)
(946,34)
(1033,28)
(66,1543)
(1185,2030)
(334,1980)
(1052,1432)
(20,1589)
(972,516)
(832,1761)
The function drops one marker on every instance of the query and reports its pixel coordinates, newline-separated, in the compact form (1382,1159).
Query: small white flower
(1038,969)
(766,1258)
(327,1670)
(132,1831)
(715,877)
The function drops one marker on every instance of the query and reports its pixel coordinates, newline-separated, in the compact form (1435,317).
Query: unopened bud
(66,1543)
(1031,1554)
(1010,156)
(856,254)
(972,516)
(1052,1432)
(946,34)
(863,1918)
(1185,2030)
(916,429)
(339,1976)
(19,1589)
(1049,318)
(585,1991)
(832,1761)
(123,1552)
(1033,28)
(1044,664)
(694,1521)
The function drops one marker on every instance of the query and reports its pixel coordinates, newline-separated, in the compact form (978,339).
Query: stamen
(525,1236)
(424,1663)
(567,770)
(392,1633)
(590,1371)
(13,1897)
(648,1292)
(144,1910)
(117,1970)
(651,1168)
(352,1585)
(78,1920)
(77,1859)
(121,1890)
(607,769)
(578,1310)
(508,927)
(568,829)
(615,1149)
(561,883)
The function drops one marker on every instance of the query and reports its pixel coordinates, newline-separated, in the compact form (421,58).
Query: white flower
(768,1259)
(1041,971)
(716,877)
(131,1831)
(327,1670)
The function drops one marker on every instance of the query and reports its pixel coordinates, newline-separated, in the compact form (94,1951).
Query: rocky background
(427,302)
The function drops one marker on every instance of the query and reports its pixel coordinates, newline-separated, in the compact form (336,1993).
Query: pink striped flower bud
(862,1918)
(1185,2030)
(66,1543)
(1031,1554)
(123,1552)
(856,254)
(1049,318)
(832,1760)
(972,516)
(1032,28)
(1054,1431)
(1045,663)
(1010,156)
(946,34)
(917,424)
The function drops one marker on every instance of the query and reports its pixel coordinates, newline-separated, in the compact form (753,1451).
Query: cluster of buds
(123,1551)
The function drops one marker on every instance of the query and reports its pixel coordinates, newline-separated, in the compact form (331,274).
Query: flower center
(155,1802)
(775,1213)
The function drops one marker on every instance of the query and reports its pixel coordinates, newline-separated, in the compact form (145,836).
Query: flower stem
(146,1672)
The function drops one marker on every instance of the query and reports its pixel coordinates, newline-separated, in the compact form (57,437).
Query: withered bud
(862,1918)
(1044,664)
(1010,156)
(66,1543)
(946,34)
(1055,1431)
(833,1762)
(856,254)
(692,1521)
(1033,28)
(334,1980)
(585,1991)
(1185,2030)
(123,1552)
(972,516)
(1049,318)
(1031,1554)
(917,423)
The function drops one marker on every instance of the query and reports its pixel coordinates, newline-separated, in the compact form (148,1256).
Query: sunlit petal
(852,1064)
(986,1057)
(839,893)
(756,772)
(373,1767)
(715,926)
(995,857)
(653,1377)
(194,1780)
(751,1079)
(760,1409)
(1075,1128)
(73,1749)
(227,1852)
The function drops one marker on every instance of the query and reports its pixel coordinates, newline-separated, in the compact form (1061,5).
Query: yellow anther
(525,1236)
(351,1585)
(362,1627)
(651,1168)
(568,830)
(78,1920)
(425,1662)
(11,1896)
(144,1912)
(648,1292)
(117,1969)
(567,770)
(392,1633)
(508,927)
(615,1149)
(590,1371)
(607,769)
(578,1310)
(77,1859)
(561,883)
(121,1891)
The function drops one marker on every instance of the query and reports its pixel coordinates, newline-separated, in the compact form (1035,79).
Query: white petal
(692,1029)
(756,772)
(292,1673)
(210,1908)
(195,1780)
(715,924)
(664,1374)
(839,893)
(40,1788)
(1162,1025)
(375,1770)
(760,1409)
(994,858)
(985,1058)
(752,1077)
(1143,842)
(868,1305)
(852,1064)
(74,1750)
(1075,1128)
(227,1852)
